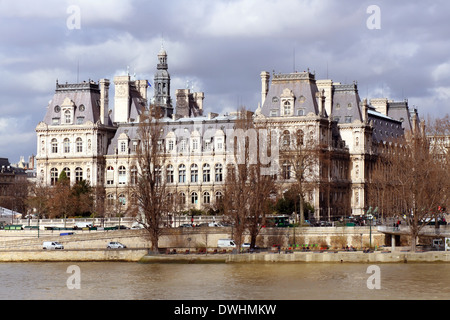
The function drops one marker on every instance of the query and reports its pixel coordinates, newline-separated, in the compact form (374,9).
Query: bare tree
(248,185)
(238,193)
(150,189)
(418,181)
(301,159)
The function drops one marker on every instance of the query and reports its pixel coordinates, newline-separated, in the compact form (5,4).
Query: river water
(271,281)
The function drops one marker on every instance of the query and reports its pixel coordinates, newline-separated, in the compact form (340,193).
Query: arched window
(122,175)
(79,145)
(110,175)
(194,198)
(194,173)
(53,176)
(287,108)
(134,175)
(206,198)
(110,200)
(206,173)
(218,172)
(181,173)
(182,198)
(67,171)
(218,197)
(78,174)
(67,117)
(122,199)
(299,137)
(169,173)
(54,146)
(66,145)
(286,139)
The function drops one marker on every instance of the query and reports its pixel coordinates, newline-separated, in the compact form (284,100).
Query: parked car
(186,225)
(52,245)
(115,245)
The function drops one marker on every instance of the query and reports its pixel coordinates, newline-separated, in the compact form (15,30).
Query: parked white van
(226,243)
(52,245)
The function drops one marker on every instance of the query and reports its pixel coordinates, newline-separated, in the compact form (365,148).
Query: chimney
(365,111)
(381,105)
(104,100)
(265,76)
(142,86)
(122,98)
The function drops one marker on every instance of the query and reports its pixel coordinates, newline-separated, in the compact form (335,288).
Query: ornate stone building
(82,136)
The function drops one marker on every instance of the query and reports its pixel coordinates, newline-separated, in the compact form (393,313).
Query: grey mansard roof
(346,103)
(303,88)
(85,94)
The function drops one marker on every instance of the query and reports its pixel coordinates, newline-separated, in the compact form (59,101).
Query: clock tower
(161,96)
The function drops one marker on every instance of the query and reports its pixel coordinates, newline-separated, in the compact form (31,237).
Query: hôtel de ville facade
(94,138)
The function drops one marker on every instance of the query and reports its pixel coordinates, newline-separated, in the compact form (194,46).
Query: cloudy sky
(399,50)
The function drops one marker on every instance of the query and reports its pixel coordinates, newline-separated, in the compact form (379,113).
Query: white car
(52,245)
(115,245)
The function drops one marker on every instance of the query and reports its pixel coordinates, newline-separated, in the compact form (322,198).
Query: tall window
(158,176)
(122,175)
(300,136)
(110,175)
(194,173)
(194,198)
(53,176)
(67,117)
(206,198)
(194,144)
(169,173)
(182,173)
(123,147)
(218,172)
(182,199)
(79,145)
(133,175)
(110,200)
(67,171)
(78,174)
(206,173)
(287,108)
(54,146)
(183,145)
(171,145)
(286,170)
(122,199)
(66,144)
(286,139)
(218,196)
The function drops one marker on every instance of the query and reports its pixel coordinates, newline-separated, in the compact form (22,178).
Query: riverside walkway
(441,231)
(427,231)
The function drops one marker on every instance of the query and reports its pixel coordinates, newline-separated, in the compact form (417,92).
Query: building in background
(91,139)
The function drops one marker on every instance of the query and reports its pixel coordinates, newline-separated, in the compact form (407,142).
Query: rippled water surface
(134,281)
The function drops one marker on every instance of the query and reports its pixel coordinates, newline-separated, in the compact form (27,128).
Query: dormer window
(287,108)
(67,117)
(287,102)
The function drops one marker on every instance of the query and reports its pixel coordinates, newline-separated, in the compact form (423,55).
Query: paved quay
(303,257)
(141,255)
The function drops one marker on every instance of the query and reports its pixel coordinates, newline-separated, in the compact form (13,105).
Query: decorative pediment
(68,103)
(123,136)
(42,126)
(287,93)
